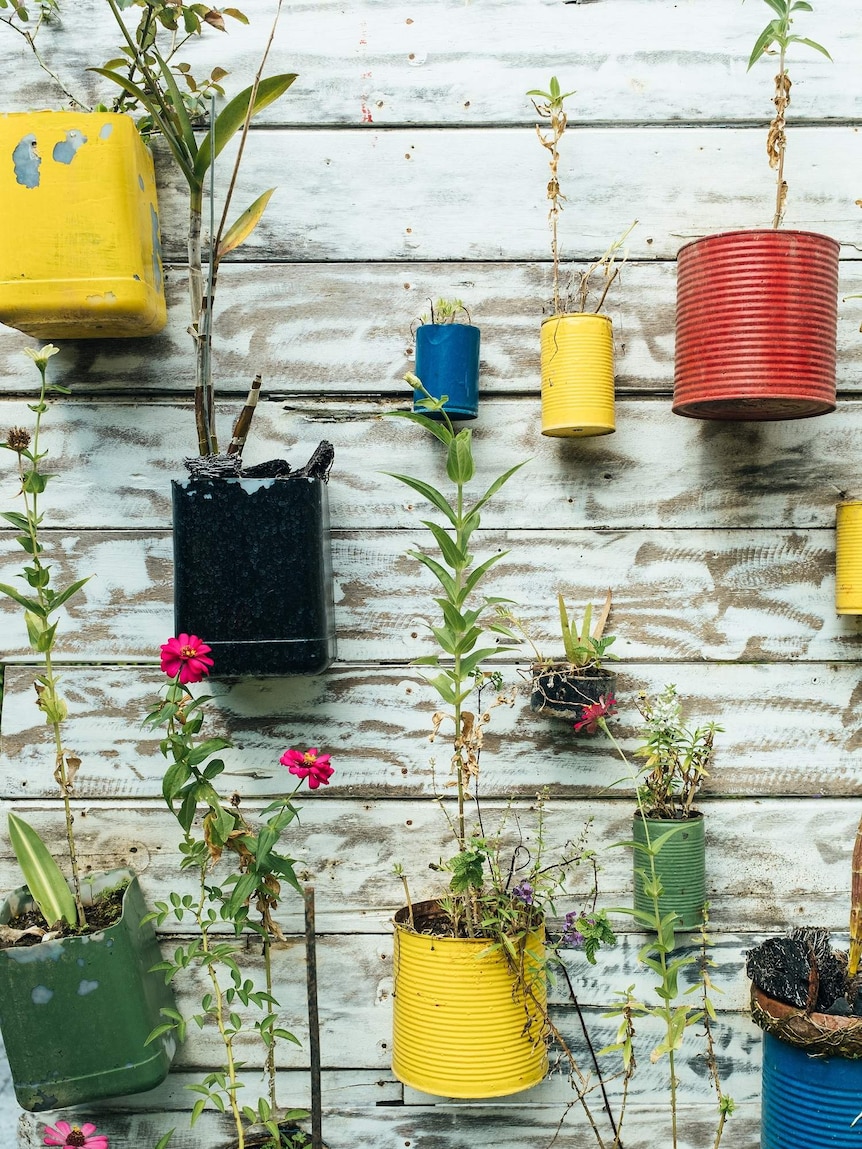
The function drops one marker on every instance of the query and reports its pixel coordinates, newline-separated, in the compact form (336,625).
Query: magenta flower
(591,714)
(80,1135)
(186,656)
(311,765)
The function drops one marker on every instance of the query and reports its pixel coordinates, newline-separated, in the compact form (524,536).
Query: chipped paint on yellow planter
(463,1025)
(80,255)
(577,375)
(848,557)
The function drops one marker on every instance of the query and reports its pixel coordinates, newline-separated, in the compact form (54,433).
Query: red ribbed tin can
(756,320)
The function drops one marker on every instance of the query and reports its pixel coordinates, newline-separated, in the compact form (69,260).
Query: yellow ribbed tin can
(80,254)
(577,375)
(848,557)
(463,1025)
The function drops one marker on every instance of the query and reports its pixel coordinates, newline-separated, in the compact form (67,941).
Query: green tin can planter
(75,1012)
(680,866)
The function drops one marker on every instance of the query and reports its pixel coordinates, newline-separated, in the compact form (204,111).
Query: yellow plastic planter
(848,557)
(463,1025)
(80,255)
(577,375)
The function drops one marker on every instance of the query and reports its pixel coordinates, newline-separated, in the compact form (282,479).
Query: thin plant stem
(49,680)
(270,1049)
(218,999)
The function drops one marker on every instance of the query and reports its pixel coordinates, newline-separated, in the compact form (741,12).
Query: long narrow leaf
(241,229)
(497,484)
(427,492)
(440,430)
(185,131)
(44,879)
(231,118)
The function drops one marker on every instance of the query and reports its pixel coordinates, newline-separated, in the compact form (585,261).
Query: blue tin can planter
(812,1095)
(253,573)
(447,362)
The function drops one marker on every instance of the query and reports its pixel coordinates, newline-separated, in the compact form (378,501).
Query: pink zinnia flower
(186,656)
(591,714)
(311,765)
(80,1135)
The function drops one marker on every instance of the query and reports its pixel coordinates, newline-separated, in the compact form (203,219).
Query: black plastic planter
(557,692)
(253,573)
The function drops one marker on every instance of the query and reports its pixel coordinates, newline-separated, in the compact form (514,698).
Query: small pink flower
(311,765)
(186,656)
(591,714)
(79,1135)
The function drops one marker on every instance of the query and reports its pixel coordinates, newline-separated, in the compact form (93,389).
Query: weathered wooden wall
(407,167)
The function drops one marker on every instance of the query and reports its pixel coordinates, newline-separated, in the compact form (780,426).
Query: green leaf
(165,1141)
(20,522)
(497,484)
(65,595)
(459,458)
(439,430)
(232,117)
(761,44)
(454,557)
(44,879)
(180,117)
(445,579)
(34,482)
(28,603)
(241,228)
(478,573)
(427,492)
(811,44)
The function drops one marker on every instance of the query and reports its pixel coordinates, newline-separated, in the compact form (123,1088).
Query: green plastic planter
(680,865)
(75,1012)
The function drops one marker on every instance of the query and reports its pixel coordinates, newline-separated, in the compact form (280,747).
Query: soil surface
(104,912)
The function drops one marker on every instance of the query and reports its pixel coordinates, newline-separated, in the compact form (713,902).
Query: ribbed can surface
(577,376)
(809,1102)
(756,322)
(680,864)
(848,558)
(459,1020)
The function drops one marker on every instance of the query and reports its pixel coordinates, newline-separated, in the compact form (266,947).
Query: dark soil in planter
(431,918)
(103,913)
(292,1137)
(804,971)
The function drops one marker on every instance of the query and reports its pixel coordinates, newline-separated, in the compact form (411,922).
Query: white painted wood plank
(771,862)
(115,460)
(345,329)
(442,1127)
(678,595)
(376,723)
(340,201)
(384,63)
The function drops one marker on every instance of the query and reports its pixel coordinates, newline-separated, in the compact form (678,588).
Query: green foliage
(677,757)
(43,876)
(240,873)
(674,1008)
(39,602)
(585,647)
(777,32)
(464,623)
(445,311)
